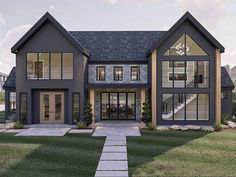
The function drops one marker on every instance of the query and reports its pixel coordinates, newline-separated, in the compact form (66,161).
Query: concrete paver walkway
(114,160)
(44,132)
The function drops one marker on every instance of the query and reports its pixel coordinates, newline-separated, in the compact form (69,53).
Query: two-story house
(178,71)
(3,78)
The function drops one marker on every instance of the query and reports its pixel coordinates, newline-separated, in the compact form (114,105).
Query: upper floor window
(100,73)
(49,65)
(135,73)
(185,46)
(118,73)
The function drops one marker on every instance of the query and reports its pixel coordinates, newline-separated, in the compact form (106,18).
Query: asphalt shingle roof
(117,45)
(226,81)
(11,80)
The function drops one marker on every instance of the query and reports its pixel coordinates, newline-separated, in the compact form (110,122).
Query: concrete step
(112,174)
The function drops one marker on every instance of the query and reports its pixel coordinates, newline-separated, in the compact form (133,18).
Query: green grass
(2,116)
(68,156)
(2,97)
(182,154)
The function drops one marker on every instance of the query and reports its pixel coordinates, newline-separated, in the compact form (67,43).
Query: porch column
(142,99)
(91,99)
(218,87)
(153,87)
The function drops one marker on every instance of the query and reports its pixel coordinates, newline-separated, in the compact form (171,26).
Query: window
(23,107)
(118,73)
(135,73)
(177,64)
(224,95)
(12,102)
(182,106)
(49,65)
(185,46)
(76,107)
(177,77)
(100,73)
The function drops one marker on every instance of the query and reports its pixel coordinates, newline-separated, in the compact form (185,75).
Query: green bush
(219,126)
(88,115)
(151,127)
(146,114)
(2,97)
(17,125)
(224,118)
(81,125)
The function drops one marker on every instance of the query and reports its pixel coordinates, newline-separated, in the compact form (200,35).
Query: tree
(88,115)
(146,114)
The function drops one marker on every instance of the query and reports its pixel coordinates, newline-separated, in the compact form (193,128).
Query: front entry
(52,107)
(118,106)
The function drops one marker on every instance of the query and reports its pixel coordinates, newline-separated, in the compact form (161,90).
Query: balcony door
(51,107)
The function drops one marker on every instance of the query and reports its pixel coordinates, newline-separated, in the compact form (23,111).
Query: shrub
(151,127)
(13,117)
(224,118)
(17,125)
(88,115)
(81,125)
(146,114)
(219,126)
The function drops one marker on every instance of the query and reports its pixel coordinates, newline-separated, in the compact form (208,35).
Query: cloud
(210,13)
(128,2)
(7,59)
(2,19)
(52,7)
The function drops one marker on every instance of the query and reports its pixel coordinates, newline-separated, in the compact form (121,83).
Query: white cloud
(2,19)
(210,13)
(7,59)
(52,7)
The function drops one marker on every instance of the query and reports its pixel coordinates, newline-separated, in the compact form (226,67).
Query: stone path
(113,161)
(44,132)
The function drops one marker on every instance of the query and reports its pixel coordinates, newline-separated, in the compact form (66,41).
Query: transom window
(118,73)
(49,65)
(185,46)
(100,73)
(135,73)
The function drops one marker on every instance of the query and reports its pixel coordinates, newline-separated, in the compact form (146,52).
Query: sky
(18,16)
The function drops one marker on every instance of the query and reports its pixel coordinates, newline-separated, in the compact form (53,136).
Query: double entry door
(52,107)
(118,106)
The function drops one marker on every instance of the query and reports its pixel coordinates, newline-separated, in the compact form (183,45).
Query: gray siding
(126,74)
(227,104)
(49,39)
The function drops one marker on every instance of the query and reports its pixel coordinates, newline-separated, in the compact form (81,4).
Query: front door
(52,107)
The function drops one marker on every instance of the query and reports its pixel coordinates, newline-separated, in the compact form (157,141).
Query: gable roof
(48,17)
(226,81)
(10,83)
(196,24)
(117,45)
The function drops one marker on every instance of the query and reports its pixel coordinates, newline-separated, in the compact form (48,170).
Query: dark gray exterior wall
(186,27)
(49,39)
(227,104)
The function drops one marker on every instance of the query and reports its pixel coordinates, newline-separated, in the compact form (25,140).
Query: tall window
(185,45)
(12,102)
(100,73)
(135,73)
(49,65)
(23,107)
(75,107)
(118,73)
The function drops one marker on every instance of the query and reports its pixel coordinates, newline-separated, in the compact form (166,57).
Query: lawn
(182,154)
(2,116)
(68,156)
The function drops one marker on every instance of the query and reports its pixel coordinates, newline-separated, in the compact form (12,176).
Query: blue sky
(17,16)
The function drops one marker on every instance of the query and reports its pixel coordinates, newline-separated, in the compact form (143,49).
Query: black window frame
(73,106)
(98,77)
(61,54)
(23,120)
(137,75)
(120,77)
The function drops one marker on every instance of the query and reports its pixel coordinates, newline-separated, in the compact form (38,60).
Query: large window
(12,102)
(49,65)
(76,107)
(118,73)
(185,46)
(100,73)
(23,107)
(191,107)
(185,74)
(135,73)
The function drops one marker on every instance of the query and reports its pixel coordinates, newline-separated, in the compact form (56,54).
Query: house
(178,71)
(3,78)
